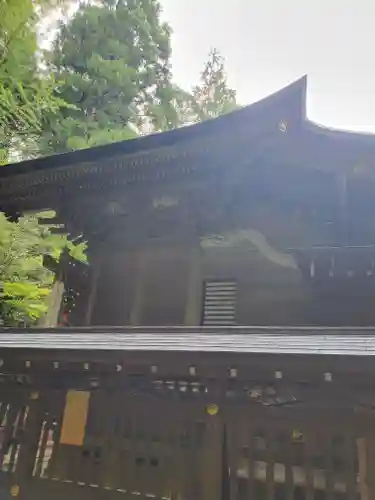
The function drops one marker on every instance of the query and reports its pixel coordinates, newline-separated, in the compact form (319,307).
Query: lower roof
(257,340)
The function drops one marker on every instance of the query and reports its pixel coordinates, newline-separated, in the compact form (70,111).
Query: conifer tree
(212,97)
(113,60)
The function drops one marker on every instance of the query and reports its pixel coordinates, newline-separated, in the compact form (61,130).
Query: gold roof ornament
(212,410)
(15,490)
(283,126)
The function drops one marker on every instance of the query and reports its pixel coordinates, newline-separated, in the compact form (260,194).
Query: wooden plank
(56,405)
(175,479)
(93,284)
(43,439)
(363,471)
(350,472)
(142,457)
(132,446)
(328,467)
(138,299)
(212,459)
(250,459)
(75,417)
(112,442)
(51,318)
(193,308)
(234,434)
(155,464)
(127,442)
(192,484)
(96,437)
(30,421)
(289,477)
(270,463)
(3,411)
(309,472)
(10,421)
(16,438)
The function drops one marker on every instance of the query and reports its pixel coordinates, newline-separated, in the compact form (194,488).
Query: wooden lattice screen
(132,446)
(276,462)
(175,439)
(219,308)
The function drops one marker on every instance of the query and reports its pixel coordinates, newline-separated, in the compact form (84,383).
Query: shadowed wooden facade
(261,198)
(259,217)
(153,414)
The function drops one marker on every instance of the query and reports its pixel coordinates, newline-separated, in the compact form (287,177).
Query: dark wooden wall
(162,285)
(115,287)
(163,279)
(120,424)
(267,293)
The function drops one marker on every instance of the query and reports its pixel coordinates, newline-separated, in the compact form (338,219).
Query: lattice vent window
(219,303)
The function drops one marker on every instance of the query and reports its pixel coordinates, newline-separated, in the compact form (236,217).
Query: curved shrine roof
(287,102)
(274,130)
(289,98)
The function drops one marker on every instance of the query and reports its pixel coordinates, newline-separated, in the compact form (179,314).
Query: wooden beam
(75,416)
(194,289)
(212,458)
(51,318)
(363,472)
(91,301)
(136,311)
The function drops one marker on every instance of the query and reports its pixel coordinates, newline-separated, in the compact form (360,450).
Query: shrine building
(220,343)
(259,217)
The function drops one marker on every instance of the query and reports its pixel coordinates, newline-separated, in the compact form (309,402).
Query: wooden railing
(112,422)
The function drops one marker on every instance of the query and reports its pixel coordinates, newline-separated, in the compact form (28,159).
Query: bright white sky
(269,43)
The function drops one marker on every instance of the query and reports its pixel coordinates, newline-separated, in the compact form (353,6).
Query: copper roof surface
(291,96)
(267,340)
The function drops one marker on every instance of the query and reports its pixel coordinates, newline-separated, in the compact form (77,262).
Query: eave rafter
(274,128)
(158,156)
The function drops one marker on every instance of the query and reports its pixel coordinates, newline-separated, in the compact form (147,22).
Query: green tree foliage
(108,70)
(113,57)
(26,95)
(25,283)
(17,65)
(176,113)
(212,97)
(25,108)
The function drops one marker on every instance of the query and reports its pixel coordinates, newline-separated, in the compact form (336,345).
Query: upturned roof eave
(292,95)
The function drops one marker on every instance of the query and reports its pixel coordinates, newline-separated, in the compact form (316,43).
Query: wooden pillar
(51,318)
(343,203)
(29,447)
(362,469)
(212,459)
(91,300)
(366,467)
(54,303)
(193,308)
(136,311)
(179,273)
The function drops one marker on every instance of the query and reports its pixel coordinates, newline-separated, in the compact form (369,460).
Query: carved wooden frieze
(202,154)
(164,202)
(253,240)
